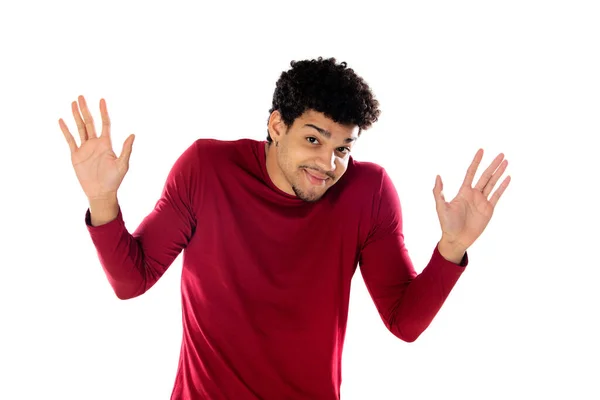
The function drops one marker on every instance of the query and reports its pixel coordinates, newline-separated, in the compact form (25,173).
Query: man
(273,232)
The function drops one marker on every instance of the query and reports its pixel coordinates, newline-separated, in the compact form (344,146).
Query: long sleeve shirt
(266,276)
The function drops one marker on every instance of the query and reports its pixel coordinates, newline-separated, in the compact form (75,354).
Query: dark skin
(98,169)
(306,159)
(311,155)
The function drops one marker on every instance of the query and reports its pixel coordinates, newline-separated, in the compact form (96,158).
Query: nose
(326,161)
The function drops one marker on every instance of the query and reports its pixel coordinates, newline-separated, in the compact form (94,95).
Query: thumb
(438,193)
(126,152)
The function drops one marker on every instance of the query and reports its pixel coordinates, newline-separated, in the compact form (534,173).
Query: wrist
(451,251)
(103,198)
(103,209)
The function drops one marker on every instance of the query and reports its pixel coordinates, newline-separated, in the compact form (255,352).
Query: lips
(315,179)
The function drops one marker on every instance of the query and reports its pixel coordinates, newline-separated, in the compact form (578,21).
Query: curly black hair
(323,85)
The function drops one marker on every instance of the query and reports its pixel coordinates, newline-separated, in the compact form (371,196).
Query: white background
(519,77)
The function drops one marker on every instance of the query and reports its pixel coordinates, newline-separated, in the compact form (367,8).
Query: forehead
(320,120)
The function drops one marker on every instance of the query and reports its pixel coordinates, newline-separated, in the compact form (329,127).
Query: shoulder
(216,149)
(371,183)
(208,152)
(365,169)
(365,186)
(206,160)
(368,194)
(370,177)
(205,153)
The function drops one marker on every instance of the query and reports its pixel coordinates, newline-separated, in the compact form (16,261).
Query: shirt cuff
(109,227)
(438,258)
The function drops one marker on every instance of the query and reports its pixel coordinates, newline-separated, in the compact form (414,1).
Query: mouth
(315,179)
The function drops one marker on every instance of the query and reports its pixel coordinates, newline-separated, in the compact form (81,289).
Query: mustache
(320,171)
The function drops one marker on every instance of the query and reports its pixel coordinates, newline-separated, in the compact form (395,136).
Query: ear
(276,126)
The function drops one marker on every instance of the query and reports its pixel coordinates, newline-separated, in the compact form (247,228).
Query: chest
(247,244)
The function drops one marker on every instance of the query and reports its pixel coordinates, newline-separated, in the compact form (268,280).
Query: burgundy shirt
(266,277)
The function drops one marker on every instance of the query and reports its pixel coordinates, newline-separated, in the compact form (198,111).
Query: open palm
(98,169)
(465,218)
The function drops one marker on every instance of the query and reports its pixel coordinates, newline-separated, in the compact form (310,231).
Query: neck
(274,171)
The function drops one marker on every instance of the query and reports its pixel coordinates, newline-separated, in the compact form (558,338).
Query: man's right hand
(98,169)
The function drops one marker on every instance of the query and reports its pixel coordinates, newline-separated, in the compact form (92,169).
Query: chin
(310,196)
(309,189)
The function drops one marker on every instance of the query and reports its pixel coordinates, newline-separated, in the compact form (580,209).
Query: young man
(273,232)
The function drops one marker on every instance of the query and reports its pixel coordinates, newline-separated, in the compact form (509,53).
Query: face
(310,156)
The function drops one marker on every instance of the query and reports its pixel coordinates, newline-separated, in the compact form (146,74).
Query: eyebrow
(327,134)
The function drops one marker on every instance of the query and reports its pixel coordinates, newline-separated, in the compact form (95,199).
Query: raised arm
(132,262)
(407,302)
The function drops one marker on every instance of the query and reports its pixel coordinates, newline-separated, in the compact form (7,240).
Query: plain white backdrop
(519,77)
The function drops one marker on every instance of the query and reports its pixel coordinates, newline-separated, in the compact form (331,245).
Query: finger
(87,118)
(105,119)
(126,151)
(473,168)
(438,191)
(79,121)
(498,193)
(492,182)
(68,136)
(487,174)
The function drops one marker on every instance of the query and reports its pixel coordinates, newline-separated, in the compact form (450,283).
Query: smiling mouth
(315,179)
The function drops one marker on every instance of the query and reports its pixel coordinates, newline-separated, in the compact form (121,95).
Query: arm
(407,302)
(133,263)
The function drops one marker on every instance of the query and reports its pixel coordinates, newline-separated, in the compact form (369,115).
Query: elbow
(125,291)
(410,337)
(407,332)
(123,295)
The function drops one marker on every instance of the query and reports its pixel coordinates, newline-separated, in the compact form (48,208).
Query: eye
(312,140)
(343,150)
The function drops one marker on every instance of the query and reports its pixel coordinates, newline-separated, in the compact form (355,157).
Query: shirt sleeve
(133,263)
(406,301)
